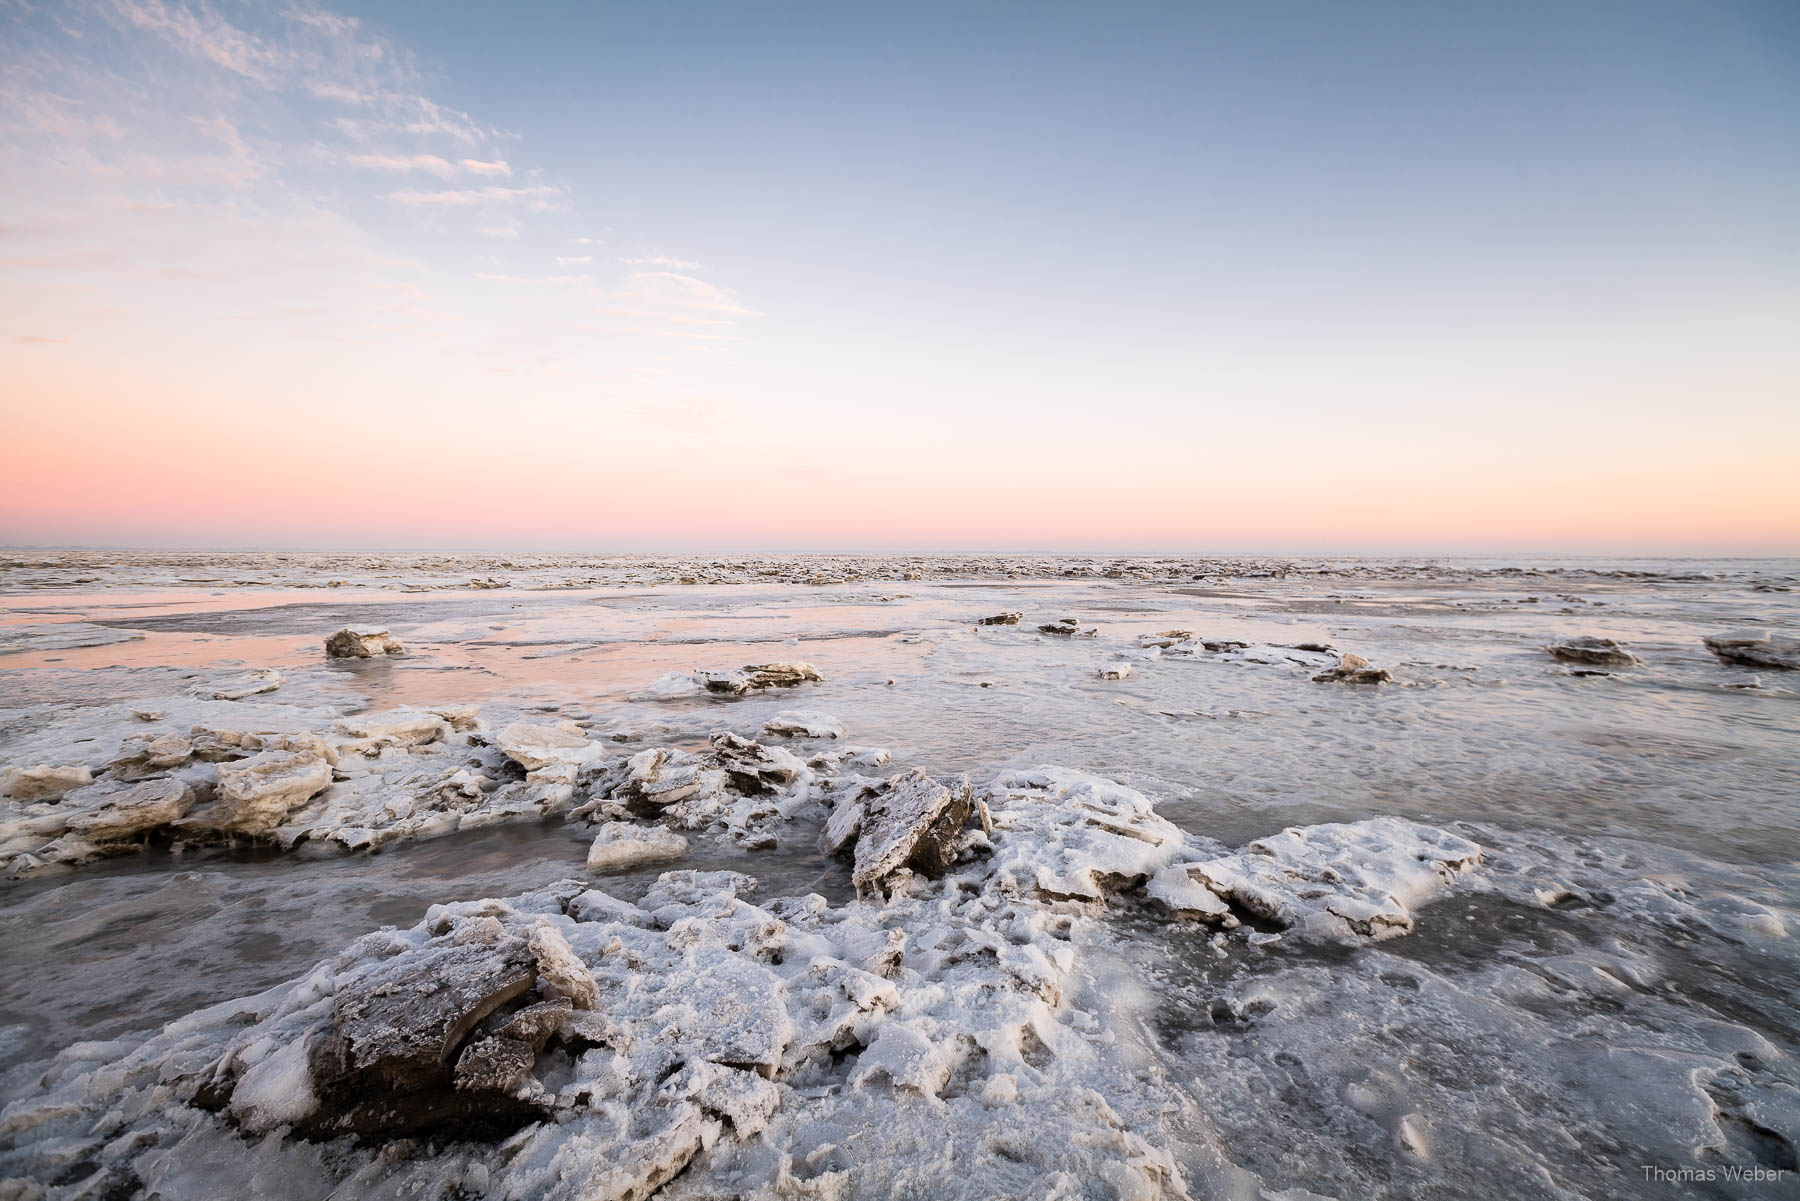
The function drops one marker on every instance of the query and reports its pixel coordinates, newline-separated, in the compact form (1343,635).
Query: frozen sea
(1609,1008)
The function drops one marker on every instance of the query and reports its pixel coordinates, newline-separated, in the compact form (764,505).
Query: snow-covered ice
(482,918)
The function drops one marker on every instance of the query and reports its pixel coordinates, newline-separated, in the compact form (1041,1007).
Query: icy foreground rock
(350,643)
(623,844)
(804,723)
(1754,648)
(1361,880)
(1059,833)
(1354,669)
(910,821)
(1595,652)
(134,811)
(45,782)
(754,677)
(257,794)
(567,1044)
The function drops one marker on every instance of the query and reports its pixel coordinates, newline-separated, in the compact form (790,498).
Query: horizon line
(9,548)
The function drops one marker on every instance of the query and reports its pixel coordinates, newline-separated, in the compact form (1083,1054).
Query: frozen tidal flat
(569,901)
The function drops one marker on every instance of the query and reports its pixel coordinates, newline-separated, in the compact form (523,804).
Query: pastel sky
(1106,276)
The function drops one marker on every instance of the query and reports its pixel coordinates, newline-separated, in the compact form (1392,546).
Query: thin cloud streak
(537,194)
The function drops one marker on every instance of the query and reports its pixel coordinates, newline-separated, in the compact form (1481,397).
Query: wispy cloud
(37,340)
(246,164)
(537,195)
(403,162)
(662,260)
(669,291)
(666,304)
(491,278)
(206,35)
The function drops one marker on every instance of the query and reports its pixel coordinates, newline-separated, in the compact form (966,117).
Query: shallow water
(1692,761)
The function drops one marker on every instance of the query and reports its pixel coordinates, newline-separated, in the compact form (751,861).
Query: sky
(1126,277)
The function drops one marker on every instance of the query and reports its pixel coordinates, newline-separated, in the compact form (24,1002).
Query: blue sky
(1286,276)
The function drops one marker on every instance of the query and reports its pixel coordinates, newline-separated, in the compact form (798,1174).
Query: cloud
(67,259)
(318,53)
(669,291)
(38,340)
(178,168)
(666,304)
(529,279)
(394,260)
(205,35)
(404,114)
(402,162)
(662,260)
(536,195)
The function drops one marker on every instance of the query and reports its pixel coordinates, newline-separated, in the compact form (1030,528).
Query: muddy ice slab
(256,794)
(755,677)
(350,643)
(1592,651)
(134,811)
(1354,669)
(754,767)
(535,747)
(254,683)
(737,786)
(149,755)
(1196,648)
(804,723)
(384,1065)
(1359,880)
(909,822)
(103,819)
(44,782)
(372,778)
(1059,833)
(1756,648)
(370,734)
(412,788)
(625,844)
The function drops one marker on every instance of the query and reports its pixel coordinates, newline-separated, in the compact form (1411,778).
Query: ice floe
(1360,880)
(1754,648)
(350,643)
(1592,651)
